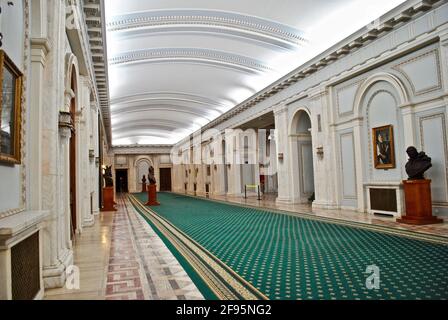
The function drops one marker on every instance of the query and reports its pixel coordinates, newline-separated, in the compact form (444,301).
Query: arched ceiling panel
(175,67)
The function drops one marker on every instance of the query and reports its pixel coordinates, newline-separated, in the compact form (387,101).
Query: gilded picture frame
(11,79)
(384,147)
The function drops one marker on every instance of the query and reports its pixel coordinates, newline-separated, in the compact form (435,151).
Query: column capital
(40,47)
(444,37)
(278,110)
(68,96)
(318,93)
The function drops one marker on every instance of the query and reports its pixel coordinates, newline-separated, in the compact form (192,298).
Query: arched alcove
(302,156)
(141,168)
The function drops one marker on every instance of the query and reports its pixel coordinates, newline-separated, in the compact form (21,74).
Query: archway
(142,168)
(302,158)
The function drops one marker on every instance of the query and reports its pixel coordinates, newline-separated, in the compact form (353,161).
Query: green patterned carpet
(290,257)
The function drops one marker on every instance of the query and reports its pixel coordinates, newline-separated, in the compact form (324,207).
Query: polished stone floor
(122,258)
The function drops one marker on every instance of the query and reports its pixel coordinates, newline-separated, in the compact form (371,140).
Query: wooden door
(165,179)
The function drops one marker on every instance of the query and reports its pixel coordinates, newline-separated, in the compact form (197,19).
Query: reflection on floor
(91,255)
(122,258)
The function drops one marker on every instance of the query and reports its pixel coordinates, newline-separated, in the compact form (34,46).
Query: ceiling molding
(197,112)
(171,96)
(209,18)
(142,149)
(196,55)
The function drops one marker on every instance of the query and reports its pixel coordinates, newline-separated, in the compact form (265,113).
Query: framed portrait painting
(383,147)
(10,110)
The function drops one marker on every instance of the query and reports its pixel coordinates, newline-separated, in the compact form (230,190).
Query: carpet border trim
(225,283)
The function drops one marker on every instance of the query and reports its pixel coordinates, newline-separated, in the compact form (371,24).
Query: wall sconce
(229,166)
(320,152)
(281,156)
(97,161)
(91,154)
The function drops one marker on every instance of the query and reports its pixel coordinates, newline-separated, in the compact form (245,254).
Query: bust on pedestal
(108,191)
(417,190)
(152,189)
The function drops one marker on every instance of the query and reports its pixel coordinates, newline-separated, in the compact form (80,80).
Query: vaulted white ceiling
(175,65)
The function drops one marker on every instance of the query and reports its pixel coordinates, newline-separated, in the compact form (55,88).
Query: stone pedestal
(152,195)
(144,187)
(108,199)
(418,203)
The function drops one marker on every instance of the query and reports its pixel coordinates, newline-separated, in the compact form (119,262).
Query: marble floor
(122,258)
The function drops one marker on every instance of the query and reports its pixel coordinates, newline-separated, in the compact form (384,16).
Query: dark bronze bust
(151,177)
(144,179)
(418,164)
(108,177)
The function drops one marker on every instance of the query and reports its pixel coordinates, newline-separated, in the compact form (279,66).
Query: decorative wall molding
(341,166)
(417,92)
(353,84)
(442,116)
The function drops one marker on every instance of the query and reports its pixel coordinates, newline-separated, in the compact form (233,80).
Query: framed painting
(10,110)
(383,147)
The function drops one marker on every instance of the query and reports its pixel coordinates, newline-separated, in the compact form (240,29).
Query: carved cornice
(339,51)
(95,28)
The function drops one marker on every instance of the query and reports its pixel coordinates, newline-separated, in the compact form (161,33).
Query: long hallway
(248,150)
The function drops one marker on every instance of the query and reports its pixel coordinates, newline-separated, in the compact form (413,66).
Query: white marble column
(282,143)
(358,127)
(40,47)
(58,252)
(325,164)
(39,50)
(85,186)
(94,165)
(233,147)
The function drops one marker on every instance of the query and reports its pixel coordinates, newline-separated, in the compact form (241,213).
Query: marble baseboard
(55,276)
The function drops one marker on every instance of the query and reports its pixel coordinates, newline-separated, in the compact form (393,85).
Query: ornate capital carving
(65,124)
(280,110)
(69,95)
